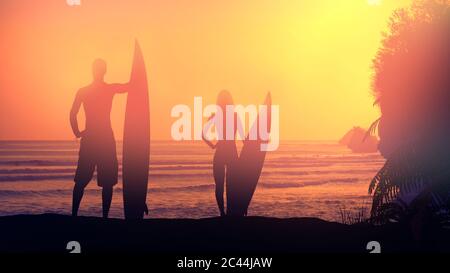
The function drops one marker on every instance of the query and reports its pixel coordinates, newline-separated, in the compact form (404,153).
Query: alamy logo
(74,247)
(374,247)
(263,126)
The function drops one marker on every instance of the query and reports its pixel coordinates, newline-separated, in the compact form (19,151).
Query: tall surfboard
(243,175)
(136,141)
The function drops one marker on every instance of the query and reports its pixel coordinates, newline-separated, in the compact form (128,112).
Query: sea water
(300,179)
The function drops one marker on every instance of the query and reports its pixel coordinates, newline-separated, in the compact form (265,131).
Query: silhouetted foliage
(411,85)
(352,217)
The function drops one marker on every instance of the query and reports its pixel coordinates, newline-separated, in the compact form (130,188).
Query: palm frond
(376,102)
(402,173)
(372,129)
(409,171)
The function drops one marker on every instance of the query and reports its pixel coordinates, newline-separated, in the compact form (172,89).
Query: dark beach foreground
(255,235)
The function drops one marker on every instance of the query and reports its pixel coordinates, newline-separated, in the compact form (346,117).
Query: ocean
(300,179)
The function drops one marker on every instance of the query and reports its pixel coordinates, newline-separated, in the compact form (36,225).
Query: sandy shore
(51,233)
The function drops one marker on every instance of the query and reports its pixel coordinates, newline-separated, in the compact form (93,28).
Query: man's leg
(107,193)
(78,191)
(107,172)
(84,173)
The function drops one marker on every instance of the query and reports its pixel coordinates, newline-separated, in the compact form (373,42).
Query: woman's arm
(210,144)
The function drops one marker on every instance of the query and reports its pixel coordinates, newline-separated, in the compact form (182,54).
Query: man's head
(99,69)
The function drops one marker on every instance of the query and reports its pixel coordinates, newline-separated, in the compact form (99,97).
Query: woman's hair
(223,99)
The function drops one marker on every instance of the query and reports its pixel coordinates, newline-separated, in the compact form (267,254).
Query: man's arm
(120,87)
(73,114)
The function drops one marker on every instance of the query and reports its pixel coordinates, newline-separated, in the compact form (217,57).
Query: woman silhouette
(226,152)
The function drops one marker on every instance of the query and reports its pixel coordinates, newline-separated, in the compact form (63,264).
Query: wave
(25,178)
(27,174)
(201,187)
(36,171)
(334,160)
(318,172)
(39,162)
(20,144)
(38,152)
(158,165)
(193,188)
(69,175)
(44,193)
(306,183)
(174,165)
(117,190)
(72,170)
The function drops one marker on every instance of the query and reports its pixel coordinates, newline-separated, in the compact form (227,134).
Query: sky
(313,55)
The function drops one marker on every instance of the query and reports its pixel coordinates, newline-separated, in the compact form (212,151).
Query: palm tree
(412,89)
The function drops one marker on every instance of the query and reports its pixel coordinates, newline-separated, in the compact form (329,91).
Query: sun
(374,2)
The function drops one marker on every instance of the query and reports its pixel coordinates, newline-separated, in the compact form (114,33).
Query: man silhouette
(97,145)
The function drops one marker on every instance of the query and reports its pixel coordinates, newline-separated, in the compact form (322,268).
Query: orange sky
(314,56)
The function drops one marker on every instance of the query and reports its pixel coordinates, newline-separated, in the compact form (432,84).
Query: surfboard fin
(145,209)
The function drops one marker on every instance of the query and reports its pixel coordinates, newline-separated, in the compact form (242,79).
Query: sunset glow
(374,2)
(203,133)
(314,57)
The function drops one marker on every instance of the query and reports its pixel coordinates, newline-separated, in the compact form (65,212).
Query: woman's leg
(219,178)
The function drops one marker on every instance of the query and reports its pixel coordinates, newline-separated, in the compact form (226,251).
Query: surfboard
(136,141)
(243,175)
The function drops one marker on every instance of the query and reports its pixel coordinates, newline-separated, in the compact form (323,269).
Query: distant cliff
(356,140)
